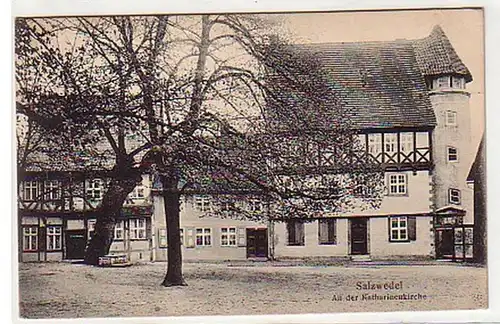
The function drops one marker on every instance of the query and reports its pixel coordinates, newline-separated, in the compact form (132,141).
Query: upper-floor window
(451,118)
(452,154)
(406,142)
(454,196)
(94,189)
(137,193)
(390,142)
(374,143)
(447,82)
(255,205)
(30,190)
(397,184)
(202,203)
(52,189)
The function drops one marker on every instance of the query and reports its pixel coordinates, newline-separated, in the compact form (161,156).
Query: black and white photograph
(263,163)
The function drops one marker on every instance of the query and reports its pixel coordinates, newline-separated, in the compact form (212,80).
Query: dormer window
(448,82)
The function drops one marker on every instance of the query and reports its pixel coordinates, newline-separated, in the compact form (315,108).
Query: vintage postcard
(250,163)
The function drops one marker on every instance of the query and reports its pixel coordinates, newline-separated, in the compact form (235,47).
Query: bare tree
(220,104)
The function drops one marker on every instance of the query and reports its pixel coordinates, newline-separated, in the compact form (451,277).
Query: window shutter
(322,231)
(389,228)
(148,228)
(412,228)
(190,237)
(290,228)
(300,230)
(42,238)
(332,231)
(242,240)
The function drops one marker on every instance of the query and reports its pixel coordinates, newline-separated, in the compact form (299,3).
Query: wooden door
(76,241)
(257,243)
(359,236)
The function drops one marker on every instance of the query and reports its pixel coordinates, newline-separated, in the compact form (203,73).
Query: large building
(409,105)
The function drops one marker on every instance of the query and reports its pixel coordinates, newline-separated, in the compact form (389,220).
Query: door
(76,240)
(445,244)
(359,237)
(257,243)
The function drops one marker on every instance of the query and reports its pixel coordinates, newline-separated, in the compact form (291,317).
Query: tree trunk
(174,253)
(108,213)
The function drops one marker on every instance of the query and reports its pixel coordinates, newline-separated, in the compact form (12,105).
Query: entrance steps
(361,258)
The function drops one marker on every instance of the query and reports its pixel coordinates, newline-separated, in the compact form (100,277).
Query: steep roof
(477,169)
(382,84)
(435,55)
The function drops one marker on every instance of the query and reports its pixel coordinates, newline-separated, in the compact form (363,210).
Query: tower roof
(383,83)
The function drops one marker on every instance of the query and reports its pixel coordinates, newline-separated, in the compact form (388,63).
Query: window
(52,189)
(399,229)
(182,236)
(452,154)
(457,82)
(138,228)
(390,142)
(406,142)
(30,190)
(90,227)
(454,196)
(54,238)
(295,230)
(228,236)
(442,82)
(94,189)
(202,203)
(255,205)
(30,238)
(118,230)
(326,231)
(137,193)
(203,236)
(397,184)
(451,118)
(374,143)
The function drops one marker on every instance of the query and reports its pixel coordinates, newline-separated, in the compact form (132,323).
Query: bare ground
(64,290)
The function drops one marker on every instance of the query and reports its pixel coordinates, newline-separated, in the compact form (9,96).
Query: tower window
(452,154)
(451,118)
(454,196)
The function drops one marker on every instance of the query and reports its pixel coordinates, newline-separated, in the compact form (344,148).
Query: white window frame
(52,189)
(399,229)
(181,234)
(119,230)
(31,190)
(228,236)
(451,118)
(390,142)
(137,228)
(461,84)
(449,154)
(406,142)
(397,184)
(138,193)
(203,203)
(54,238)
(375,144)
(90,227)
(255,205)
(94,189)
(30,236)
(454,196)
(205,236)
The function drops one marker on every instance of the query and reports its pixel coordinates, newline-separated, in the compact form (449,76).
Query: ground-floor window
(295,230)
(402,229)
(54,238)
(203,236)
(327,231)
(228,236)
(118,231)
(137,228)
(30,238)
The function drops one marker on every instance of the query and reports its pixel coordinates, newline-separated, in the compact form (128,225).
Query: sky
(464,28)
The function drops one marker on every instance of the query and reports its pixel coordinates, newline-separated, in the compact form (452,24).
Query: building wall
(381,247)
(190,219)
(452,174)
